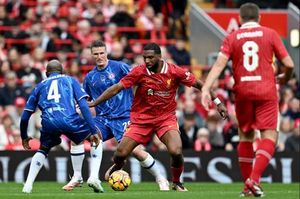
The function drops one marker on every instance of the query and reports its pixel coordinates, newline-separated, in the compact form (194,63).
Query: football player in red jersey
(153,108)
(251,49)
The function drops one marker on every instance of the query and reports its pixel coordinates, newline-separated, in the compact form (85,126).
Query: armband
(217,101)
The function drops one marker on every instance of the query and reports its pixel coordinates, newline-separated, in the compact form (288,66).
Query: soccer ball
(119,180)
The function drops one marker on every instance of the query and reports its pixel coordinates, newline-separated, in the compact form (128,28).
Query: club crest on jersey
(169,81)
(187,74)
(150,91)
(111,76)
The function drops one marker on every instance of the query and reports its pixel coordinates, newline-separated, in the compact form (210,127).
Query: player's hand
(223,111)
(25,143)
(280,79)
(95,140)
(91,103)
(205,99)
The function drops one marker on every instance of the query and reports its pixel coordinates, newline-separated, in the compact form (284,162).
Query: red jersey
(251,49)
(154,98)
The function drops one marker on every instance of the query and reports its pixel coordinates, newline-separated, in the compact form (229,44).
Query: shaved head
(54,66)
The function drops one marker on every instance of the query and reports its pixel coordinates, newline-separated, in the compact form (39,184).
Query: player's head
(99,53)
(249,12)
(152,56)
(54,66)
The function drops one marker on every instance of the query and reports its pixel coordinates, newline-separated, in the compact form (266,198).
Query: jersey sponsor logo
(249,34)
(251,78)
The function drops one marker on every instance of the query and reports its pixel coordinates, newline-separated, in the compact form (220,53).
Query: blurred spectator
(3,51)
(17,34)
(145,21)
(4,68)
(189,108)
(292,143)
(84,33)
(216,137)
(157,34)
(293,110)
(202,140)
(26,72)
(188,131)
(117,53)
(123,19)
(15,113)
(110,36)
(179,53)
(231,133)
(98,20)
(285,131)
(11,89)
(7,129)
(108,9)
(62,33)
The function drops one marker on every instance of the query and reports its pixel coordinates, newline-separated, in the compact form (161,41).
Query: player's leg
(267,123)
(37,161)
(173,143)
(78,132)
(77,157)
(245,115)
(148,163)
(123,150)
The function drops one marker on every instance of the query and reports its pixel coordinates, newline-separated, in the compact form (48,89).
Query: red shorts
(142,133)
(257,114)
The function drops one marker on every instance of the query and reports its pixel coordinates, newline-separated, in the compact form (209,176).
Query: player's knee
(175,150)
(121,152)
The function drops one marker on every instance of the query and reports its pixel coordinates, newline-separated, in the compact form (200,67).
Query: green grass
(53,190)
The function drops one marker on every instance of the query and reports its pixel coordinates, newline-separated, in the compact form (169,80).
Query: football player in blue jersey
(112,117)
(57,97)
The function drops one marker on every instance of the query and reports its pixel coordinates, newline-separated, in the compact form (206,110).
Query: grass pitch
(52,190)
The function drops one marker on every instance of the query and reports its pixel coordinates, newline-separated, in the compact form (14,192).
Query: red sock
(176,172)
(246,156)
(264,154)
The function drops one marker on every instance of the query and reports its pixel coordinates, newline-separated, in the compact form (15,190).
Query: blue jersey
(97,81)
(56,97)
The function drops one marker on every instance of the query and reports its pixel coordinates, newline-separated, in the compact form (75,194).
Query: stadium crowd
(32,32)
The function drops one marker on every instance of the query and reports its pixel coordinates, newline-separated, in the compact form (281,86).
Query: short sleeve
(225,47)
(79,92)
(132,77)
(185,77)
(32,100)
(278,46)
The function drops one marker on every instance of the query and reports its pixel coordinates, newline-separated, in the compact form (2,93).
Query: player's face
(99,55)
(151,60)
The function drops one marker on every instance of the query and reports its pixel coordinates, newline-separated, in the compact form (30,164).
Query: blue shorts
(76,129)
(112,127)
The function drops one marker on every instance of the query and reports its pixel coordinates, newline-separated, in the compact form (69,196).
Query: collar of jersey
(250,24)
(163,70)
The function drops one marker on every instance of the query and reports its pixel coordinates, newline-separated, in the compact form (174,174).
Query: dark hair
(153,46)
(249,12)
(97,43)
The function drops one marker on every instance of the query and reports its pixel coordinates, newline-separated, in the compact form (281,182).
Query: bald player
(57,97)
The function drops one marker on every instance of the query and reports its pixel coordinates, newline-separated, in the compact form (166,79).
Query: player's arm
(289,67)
(23,128)
(214,73)
(107,94)
(220,106)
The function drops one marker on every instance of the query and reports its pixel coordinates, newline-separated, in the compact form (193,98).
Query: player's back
(252,49)
(56,98)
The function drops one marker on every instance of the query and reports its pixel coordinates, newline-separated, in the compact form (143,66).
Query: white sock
(96,158)
(36,164)
(77,157)
(150,165)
